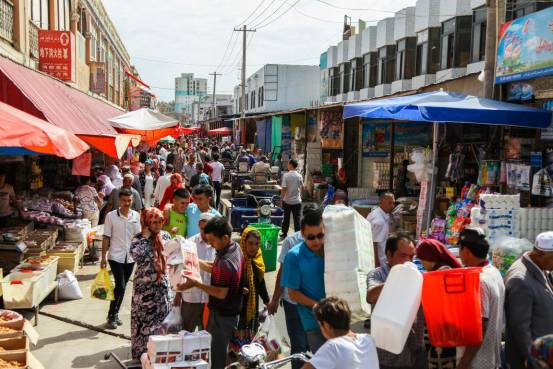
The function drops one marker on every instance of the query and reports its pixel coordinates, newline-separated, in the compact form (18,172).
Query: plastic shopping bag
(68,286)
(172,324)
(272,339)
(102,287)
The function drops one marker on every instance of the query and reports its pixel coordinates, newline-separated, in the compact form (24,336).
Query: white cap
(544,241)
(207,216)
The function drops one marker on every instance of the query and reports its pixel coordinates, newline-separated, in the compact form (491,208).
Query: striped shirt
(227,272)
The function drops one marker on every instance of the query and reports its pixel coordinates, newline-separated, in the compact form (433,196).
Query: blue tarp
(449,107)
(264,134)
(10,151)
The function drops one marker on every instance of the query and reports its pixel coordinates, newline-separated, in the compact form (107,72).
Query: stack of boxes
(349,256)
(183,350)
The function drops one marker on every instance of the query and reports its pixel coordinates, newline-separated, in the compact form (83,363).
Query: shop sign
(520,92)
(98,77)
(376,137)
(331,127)
(57,54)
(525,48)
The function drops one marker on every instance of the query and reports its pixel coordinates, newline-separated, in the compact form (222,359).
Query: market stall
(150,124)
(500,173)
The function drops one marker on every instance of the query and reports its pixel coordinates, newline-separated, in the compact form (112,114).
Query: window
(520,8)
(252,100)
(456,42)
(370,70)
(345,77)
(64,10)
(405,58)
(82,27)
(428,52)
(40,12)
(93,43)
(246,102)
(357,74)
(386,64)
(334,81)
(260,96)
(478,45)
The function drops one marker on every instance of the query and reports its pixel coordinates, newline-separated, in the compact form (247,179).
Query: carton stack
(182,350)
(349,256)
(16,335)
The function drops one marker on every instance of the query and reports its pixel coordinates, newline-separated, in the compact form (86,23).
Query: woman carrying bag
(150,301)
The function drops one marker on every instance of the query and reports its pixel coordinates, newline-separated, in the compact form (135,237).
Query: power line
(252,13)
(226,50)
(261,25)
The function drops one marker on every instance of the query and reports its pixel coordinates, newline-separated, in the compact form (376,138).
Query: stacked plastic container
(348,256)
(498,215)
(533,221)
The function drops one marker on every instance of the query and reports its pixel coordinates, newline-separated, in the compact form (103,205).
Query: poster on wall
(525,48)
(331,129)
(376,137)
(312,126)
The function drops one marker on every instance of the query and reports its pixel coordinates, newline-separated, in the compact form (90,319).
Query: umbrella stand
(432,189)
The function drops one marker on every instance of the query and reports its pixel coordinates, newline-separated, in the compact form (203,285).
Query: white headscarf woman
(115,176)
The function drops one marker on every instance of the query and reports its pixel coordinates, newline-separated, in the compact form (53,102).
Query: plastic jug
(396,309)
(451,304)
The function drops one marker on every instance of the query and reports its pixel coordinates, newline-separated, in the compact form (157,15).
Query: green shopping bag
(102,287)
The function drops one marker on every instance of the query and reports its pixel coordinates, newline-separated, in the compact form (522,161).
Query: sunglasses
(312,237)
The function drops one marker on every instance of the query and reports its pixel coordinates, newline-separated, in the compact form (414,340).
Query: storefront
(484,150)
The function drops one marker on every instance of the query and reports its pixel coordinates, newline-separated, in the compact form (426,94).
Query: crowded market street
(327,184)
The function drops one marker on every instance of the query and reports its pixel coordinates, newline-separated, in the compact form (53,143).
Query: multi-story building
(432,42)
(223,106)
(277,87)
(189,92)
(101,63)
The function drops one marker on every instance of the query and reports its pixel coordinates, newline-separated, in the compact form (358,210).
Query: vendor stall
(498,161)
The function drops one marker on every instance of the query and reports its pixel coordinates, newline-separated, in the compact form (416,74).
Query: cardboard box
(26,330)
(27,359)
(14,344)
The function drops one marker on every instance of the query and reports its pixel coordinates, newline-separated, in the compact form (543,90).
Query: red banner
(57,54)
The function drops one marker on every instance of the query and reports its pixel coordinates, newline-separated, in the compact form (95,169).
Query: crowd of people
(176,192)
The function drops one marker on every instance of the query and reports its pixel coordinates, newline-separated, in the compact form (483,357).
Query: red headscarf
(147,217)
(168,195)
(435,251)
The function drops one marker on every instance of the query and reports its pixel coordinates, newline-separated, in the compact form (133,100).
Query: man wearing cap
(473,250)
(529,300)
(193,301)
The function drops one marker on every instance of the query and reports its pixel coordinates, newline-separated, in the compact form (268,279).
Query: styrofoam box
(351,286)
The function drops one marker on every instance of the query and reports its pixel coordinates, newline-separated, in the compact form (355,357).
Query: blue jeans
(298,339)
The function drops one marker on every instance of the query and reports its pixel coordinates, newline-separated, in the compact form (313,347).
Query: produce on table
(10,364)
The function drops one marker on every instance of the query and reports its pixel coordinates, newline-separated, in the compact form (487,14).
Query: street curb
(87,326)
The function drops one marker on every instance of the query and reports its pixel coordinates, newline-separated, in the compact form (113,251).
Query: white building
(189,91)
(223,106)
(277,87)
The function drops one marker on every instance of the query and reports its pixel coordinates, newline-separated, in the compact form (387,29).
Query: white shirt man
(121,230)
(379,219)
(162,183)
(217,173)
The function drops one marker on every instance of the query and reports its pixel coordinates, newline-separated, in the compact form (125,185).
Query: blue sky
(169,37)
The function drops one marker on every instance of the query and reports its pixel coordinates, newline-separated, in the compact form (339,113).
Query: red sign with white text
(57,54)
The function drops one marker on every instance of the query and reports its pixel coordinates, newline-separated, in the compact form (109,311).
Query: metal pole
(244,32)
(214,102)
(431,194)
(392,155)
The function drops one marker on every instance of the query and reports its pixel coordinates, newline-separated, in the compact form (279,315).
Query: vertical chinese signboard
(57,54)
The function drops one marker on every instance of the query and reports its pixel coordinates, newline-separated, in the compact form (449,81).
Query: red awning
(136,79)
(182,131)
(22,130)
(225,131)
(114,145)
(54,101)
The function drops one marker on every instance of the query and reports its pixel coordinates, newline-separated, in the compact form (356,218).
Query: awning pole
(431,195)
(392,156)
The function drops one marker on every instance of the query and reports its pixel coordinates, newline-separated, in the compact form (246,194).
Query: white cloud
(196,32)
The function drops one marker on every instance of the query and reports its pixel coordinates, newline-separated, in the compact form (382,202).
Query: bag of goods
(272,339)
(11,319)
(102,287)
(505,251)
(182,260)
(68,286)
(172,324)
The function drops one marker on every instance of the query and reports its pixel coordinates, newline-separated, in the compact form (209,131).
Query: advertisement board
(525,48)
(376,137)
(56,50)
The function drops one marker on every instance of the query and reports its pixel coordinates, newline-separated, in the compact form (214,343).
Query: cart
(237,180)
(125,364)
(245,210)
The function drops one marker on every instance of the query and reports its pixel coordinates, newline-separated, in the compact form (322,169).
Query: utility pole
(214,102)
(245,30)
(490,53)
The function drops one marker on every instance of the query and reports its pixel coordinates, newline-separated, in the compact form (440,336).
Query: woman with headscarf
(254,284)
(176,182)
(148,183)
(435,256)
(115,175)
(150,299)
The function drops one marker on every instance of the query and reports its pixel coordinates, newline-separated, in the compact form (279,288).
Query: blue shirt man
(193,213)
(303,276)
